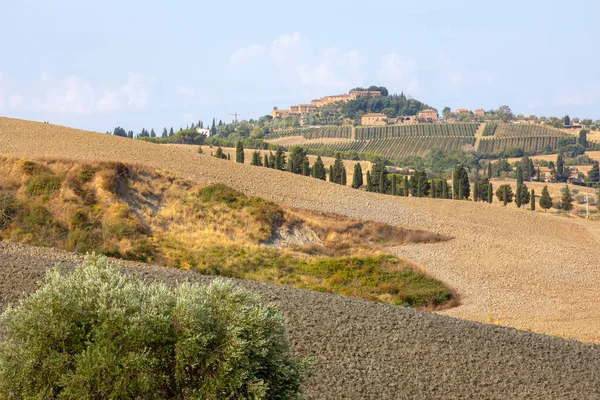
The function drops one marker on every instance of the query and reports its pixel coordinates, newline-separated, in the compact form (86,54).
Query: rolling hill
(511,267)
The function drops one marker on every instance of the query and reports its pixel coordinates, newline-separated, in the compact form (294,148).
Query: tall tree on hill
(220,154)
(120,132)
(171,133)
(532,205)
(406,189)
(306,168)
(152,133)
(539,175)
(331,173)
(525,168)
(319,171)
(461,186)
(566,200)
(566,120)
(266,161)
(522,196)
(593,176)
(444,189)
(256,159)
(394,188)
(130,134)
(213,128)
(482,189)
(545,200)
(228,157)
(582,138)
(505,194)
(296,160)
(280,163)
(420,184)
(338,169)
(239,152)
(165,134)
(357,178)
(489,170)
(560,167)
(272,160)
(378,170)
(490,193)
(531,169)
(475,192)
(344,177)
(369,182)
(519,176)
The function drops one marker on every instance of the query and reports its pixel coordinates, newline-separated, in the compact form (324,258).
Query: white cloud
(399,73)
(575,99)
(287,48)
(335,70)
(185,91)
(246,54)
(78,96)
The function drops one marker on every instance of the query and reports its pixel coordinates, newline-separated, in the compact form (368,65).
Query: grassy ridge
(140,214)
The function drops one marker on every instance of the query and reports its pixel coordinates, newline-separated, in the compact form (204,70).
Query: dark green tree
(505,194)
(490,193)
(280,159)
(406,186)
(306,168)
(489,170)
(379,170)
(228,157)
(256,159)
(338,169)
(582,139)
(171,133)
(319,171)
(560,167)
(566,120)
(519,176)
(475,192)
(357,178)
(344,177)
(239,152)
(331,176)
(444,189)
(220,153)
(382,182)
(532,205)
(272,160)
(296,160)
(213,128)
(482,189)
(545,200)
(152,133)
(566,200)
(165,133)
(369,182)
(593,176)
(531,169)
(266,161)
(461,186)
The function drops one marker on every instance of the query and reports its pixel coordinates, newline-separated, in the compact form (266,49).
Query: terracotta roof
(375,115)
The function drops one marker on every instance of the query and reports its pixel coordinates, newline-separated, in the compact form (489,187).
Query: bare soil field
(366,350)
(531,271)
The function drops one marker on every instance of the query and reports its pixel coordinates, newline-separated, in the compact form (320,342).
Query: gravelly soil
(366,350)
(522,269)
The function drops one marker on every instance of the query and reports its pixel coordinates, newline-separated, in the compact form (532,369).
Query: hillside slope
(522,269)
(366,350)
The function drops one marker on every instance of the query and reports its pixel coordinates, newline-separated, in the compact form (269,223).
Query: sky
(150,64)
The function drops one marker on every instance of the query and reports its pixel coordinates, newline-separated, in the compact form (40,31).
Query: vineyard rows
(396,148)
(490,129)
(528,143)
(343,132)
(522,130)
(416,130)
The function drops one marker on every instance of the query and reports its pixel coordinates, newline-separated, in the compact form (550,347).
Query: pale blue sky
(95,65)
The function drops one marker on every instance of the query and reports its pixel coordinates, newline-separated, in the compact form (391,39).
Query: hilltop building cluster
(303,109)
(380,119)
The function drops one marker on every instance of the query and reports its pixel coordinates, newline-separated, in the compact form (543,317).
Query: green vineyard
(490,129)
(522,130)
(419,130)
(529,144)
(342,132)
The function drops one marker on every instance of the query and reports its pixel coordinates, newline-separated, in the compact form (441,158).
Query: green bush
(43,184)
(100,334)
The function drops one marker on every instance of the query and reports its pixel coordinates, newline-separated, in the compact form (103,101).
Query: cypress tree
(519,176)
(319,171)
(220,153)
(394,190)
(357,176)
(532,200)
(444,189)
(165,134)
(567,199)
(256,160)
(343,182)
(382,178)
(239,152)
(531,169)
(489,170)
(406,191)
(475,191)
(433,188)
(331,173)
(490,194)
(560,166)
(593,175)
(518,196)
(582,139)
(338,168)
(306,168)
(369,185)
(460,189)
(171,133)
(228,157)
(420,186)
(279,159)
(545,200)
(539,175)
(266,161)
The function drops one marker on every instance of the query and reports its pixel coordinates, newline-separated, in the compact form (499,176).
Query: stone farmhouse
(374,119)
(429,115)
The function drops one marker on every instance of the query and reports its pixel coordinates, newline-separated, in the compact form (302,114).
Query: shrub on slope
(100,334)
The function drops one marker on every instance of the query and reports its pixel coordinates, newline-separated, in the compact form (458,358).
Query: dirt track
(522,269)
(364,350)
